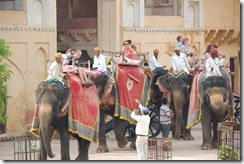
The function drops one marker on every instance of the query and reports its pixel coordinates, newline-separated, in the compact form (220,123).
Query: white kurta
(100,63)
(212,63)
(153,63)
(55,71)
(180,63)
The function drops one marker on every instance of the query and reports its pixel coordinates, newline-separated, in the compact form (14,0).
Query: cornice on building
(76,34)
(126,29)
(26,28)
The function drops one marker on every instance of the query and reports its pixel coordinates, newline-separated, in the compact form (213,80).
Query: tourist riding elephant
(53,104)
(214,95)
(179,85)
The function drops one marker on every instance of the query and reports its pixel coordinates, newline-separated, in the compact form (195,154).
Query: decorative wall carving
(164,29)
(221,36)
(76,34)
(26,28)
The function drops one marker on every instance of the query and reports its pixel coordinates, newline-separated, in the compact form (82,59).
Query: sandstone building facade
(36,29)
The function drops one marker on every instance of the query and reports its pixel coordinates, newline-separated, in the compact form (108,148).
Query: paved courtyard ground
(181,149)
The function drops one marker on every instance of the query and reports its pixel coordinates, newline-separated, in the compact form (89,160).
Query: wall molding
(76,34)
(26,28)
(126,29)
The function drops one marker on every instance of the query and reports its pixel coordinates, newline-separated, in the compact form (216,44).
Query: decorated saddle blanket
(131,83)
(194,113)
(176,75)
(83,113)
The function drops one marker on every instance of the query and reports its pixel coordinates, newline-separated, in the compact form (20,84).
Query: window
(163,7)
(83,8)
(12,5)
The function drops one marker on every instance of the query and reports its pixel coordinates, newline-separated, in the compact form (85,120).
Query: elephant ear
(65,99)
(163,82)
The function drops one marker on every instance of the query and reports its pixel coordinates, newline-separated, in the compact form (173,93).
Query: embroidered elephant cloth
(84,113)
(131,84)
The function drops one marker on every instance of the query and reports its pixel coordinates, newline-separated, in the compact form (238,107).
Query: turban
(58,55)
(156,51)
(177,49)
(214,52)
(97,49)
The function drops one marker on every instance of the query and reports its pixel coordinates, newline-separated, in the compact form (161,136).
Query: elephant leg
(43,154)
(120,130)
(133,142)
(102,148)
(64,141)
(206,128)
(83,148)
(215,143)
(186,132)
(178,124)
(178,105)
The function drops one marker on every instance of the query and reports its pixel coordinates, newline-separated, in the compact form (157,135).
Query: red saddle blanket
(131,84)
(84,113)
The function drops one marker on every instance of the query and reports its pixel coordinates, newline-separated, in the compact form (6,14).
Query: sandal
(89,84)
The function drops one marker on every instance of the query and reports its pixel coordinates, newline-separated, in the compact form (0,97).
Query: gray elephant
(107,106)
(53,104)
(214,95)
(179,85)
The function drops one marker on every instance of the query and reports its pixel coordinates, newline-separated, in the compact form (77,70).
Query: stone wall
(32,40)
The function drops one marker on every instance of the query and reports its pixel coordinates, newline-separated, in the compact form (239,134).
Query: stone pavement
(181,149)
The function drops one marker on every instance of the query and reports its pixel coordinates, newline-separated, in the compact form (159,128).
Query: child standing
(165,118)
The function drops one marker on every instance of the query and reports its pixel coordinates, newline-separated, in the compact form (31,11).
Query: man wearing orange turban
(55,71)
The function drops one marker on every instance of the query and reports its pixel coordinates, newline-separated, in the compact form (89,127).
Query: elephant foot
(133,144)
(79,158)
(215,145)
(102,149)
(123,143)
(206,147)
(188,138)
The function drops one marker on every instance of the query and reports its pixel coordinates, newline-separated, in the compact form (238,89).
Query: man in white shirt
(179,62)
(212,64)
(55,70)
(99,61)
(153,63)
(142,127)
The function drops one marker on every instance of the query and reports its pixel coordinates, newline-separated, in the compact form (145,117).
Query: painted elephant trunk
(218,100)
(45,117)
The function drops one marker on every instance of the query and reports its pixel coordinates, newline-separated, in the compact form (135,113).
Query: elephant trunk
(217,103)
(45,117)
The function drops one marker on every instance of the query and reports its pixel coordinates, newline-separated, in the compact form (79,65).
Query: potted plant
(228,153)
(5,75)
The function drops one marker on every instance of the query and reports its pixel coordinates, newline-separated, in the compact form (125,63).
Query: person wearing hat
(212,64)
(179,62)
(153,63)
(99,61)
(142,127)
(55,72)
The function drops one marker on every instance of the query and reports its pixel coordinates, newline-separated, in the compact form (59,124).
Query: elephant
(179,85)
(214,95)
(53,105)
(107,106)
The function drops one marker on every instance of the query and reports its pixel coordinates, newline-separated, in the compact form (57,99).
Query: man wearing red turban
(212,64)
